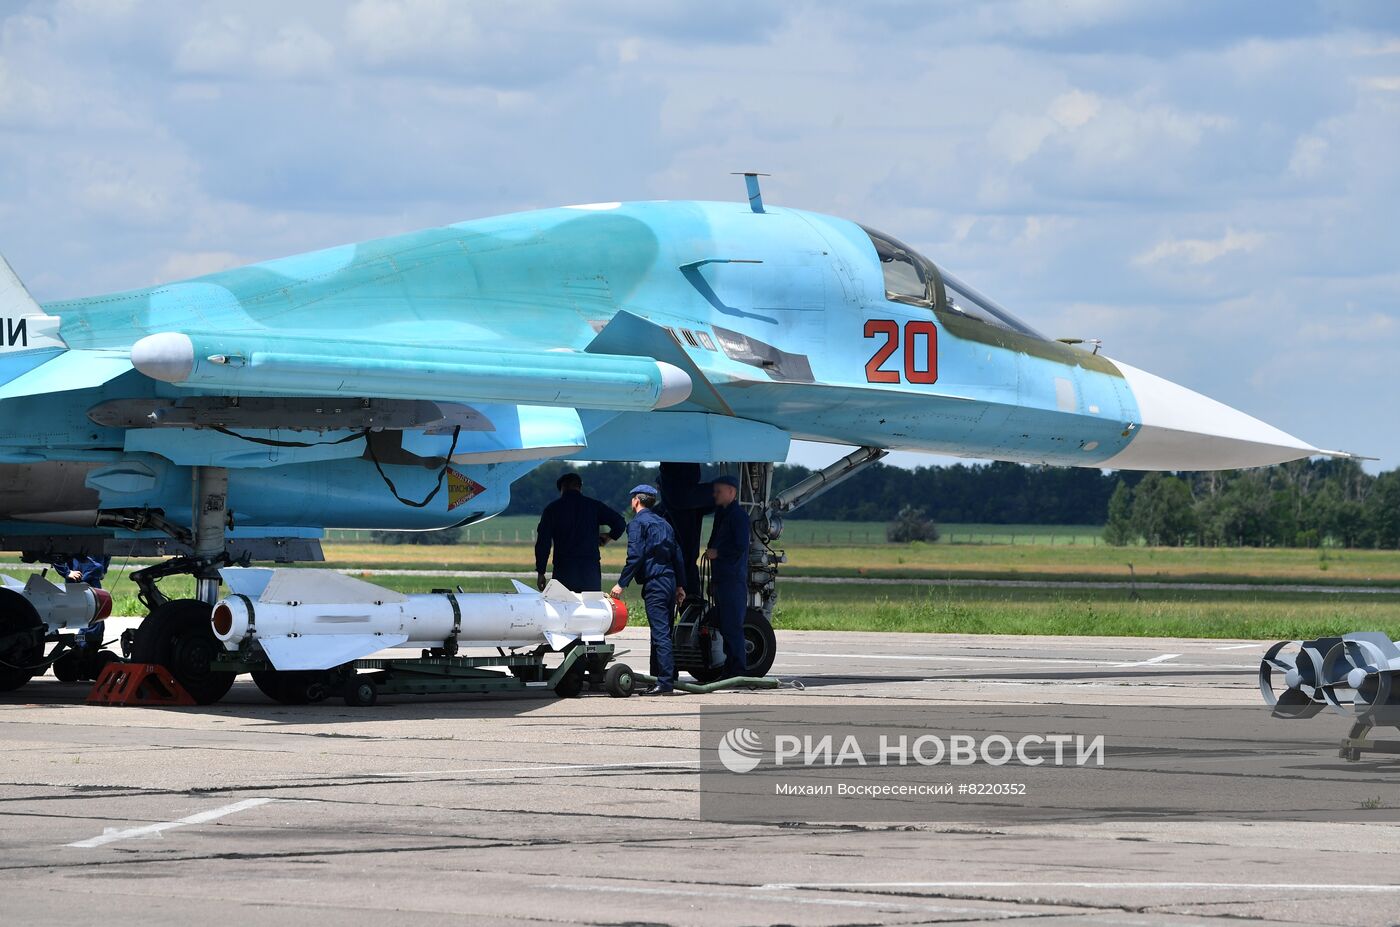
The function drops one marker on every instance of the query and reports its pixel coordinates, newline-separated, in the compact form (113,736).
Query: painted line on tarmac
(112,835)
(1239,646)
(1153,662)
(530,769)
(1207,886)
(782,899)
(905,656)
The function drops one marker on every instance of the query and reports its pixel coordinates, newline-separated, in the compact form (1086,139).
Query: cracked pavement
(530,809)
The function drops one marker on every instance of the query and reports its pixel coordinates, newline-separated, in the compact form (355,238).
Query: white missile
(72,605)
(317,619)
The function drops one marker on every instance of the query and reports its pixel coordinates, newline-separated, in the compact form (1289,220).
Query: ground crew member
(654,559)
(573,525)
(686,501)
(728,553)
(90,570)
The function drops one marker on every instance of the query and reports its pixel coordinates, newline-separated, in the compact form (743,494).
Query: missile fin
(558,592)
(38,587)
(249,581)
(324,651)
(324,587)
(523,589)
(558,640)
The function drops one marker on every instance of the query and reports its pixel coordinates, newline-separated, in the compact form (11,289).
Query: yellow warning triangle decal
(461,488)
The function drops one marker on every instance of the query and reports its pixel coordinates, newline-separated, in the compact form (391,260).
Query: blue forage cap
(644,489)
(728,480)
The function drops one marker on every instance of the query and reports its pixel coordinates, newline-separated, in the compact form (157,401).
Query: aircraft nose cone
(167,356)
(1180,429)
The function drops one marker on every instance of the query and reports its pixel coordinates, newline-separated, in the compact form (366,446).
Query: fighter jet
(405,382)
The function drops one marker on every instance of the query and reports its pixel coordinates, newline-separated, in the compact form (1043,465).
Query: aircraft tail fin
(24,327)
(34,358)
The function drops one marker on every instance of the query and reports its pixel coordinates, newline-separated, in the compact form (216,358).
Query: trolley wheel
(68,668)
(100,661)
(298,687)
(618,680)
(21,648)
(178,636)
(361,692)
(571,684)
(91,665)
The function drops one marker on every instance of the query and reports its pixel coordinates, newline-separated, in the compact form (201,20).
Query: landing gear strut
(766,511)
(177,633)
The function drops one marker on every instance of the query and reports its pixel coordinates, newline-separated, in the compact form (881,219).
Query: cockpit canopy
(913,279)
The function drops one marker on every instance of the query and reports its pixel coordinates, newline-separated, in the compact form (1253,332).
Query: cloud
(1204,185)
(1199,250)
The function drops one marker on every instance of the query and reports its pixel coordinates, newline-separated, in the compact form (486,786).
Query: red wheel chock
(137,684)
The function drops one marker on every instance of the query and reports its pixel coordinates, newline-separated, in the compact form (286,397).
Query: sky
(1210,188)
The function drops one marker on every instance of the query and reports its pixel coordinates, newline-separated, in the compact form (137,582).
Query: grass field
(1241,612)
(520,529)
(986,561)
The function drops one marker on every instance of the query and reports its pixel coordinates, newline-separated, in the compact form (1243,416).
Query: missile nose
(167,356)
(675,385)
(1180,429)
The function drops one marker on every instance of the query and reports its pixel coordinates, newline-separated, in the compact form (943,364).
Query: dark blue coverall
(687,501)
(93,570)
(571,525)
(729,582)
(654,560)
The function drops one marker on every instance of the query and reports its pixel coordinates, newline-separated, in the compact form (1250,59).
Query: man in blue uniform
(728,553)
(686,501)
(576,526)
(654,559)
(90,570)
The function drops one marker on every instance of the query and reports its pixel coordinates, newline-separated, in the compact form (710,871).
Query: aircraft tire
(760,643)
(178,636)
(17,660)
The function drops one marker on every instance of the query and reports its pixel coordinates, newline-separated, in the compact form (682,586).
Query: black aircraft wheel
(178,636)
(760,643)
(21,641)
(618,680)
(708,674)
(300,687)
(571,684)
(361,692)
(69,667)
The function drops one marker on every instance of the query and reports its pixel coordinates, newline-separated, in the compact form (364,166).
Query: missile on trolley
(72,605)
(317,619)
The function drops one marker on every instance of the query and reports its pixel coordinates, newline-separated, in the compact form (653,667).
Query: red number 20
(920,360)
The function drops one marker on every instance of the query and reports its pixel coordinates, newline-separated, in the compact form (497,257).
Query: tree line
(1306,503)
(994,493)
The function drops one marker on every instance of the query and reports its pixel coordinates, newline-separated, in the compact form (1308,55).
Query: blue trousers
(579,575)
(731,595)
(659,594)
